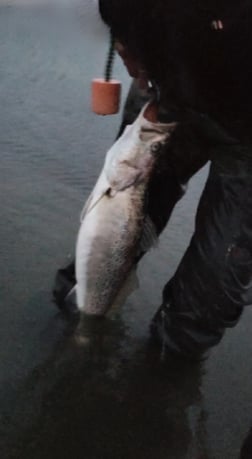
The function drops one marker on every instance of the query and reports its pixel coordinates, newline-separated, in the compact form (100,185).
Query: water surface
(112,396)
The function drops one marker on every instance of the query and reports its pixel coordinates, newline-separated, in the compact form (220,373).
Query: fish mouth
(150,128)
(151,112)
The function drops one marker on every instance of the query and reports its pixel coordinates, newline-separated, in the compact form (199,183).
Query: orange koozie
(105,96)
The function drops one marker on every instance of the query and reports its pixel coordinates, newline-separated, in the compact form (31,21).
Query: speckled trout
(115,227)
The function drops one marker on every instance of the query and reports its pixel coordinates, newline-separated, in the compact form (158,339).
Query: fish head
(132,158)
(153,134)
(153,139)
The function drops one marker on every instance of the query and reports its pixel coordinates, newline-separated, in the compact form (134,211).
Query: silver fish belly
(115,227)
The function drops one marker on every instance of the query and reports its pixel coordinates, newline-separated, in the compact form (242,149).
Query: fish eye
(155,147)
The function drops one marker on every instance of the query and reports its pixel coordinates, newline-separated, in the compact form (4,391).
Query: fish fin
(130,285)
(70,302)
(91,203)
(149,236)
(86,207)
(101,188)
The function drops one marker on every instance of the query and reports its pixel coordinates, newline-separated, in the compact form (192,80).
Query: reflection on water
(110,398)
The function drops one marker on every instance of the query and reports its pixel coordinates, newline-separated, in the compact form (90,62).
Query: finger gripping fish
(115,227)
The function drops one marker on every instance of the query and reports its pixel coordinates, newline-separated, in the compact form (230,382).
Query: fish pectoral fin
(149,236)
(86,207)
(130,285)
(91,203)
(101,188)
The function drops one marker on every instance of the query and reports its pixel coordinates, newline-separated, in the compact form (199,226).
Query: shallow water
(110,395)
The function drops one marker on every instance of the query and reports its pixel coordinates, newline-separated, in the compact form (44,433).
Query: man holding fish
(197,58)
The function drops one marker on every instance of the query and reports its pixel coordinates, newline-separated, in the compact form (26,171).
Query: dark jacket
(195,66)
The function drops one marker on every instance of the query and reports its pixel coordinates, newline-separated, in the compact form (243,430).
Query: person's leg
(214,279)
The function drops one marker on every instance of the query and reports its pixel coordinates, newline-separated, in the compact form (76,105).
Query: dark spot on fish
(110,193)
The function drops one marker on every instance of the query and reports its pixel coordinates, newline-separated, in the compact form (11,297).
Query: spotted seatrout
(115,227)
